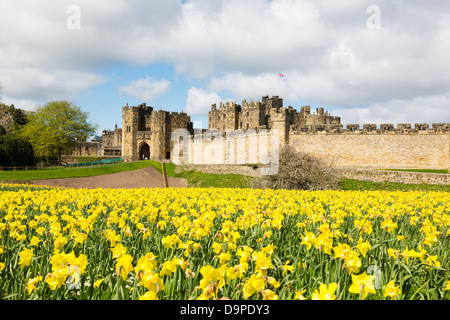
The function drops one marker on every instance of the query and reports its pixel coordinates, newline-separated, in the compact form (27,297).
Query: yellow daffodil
(98,283)
(26,255)
(389,225)
(124,265)
(146,264)
(269,295)
(362,284)
(149,295)
(393,253)
(170,267)
(287,267)
(363,247)
(31,284)
(118,250)
(34,241)
(299,295)
(254,284)
(152,282)
(352,262)
(391,290)
(309,239)
(224,257)
(325,292)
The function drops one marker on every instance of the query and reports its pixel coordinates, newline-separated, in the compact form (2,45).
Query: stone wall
(87,149)
(395,176)
(377,150)
(237,147)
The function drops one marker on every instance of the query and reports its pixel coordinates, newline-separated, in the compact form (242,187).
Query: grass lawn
(74,172)
(350,184)
(207,180)
(199,179)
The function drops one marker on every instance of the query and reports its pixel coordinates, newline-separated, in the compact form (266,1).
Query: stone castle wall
(371,150)
(236,148)
(148,132)
(87,149)
(391,149)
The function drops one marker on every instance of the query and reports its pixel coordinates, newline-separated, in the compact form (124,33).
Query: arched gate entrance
(144,151)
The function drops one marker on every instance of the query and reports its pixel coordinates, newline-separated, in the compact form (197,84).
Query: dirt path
(143,178)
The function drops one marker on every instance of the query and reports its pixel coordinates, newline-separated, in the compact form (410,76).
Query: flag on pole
(281,75)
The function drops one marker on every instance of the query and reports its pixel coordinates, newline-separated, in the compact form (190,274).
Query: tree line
(41,136)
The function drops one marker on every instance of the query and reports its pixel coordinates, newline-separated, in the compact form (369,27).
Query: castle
(146,134)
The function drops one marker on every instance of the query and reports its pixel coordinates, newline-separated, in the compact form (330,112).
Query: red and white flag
(281,75)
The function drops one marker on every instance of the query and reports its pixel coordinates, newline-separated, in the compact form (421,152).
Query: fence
(71,165)
(19,168)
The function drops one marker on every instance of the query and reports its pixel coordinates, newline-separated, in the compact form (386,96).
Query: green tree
(19,116)
(56,127)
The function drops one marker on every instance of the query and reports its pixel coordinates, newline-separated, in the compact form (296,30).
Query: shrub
(15,152)
(298,170)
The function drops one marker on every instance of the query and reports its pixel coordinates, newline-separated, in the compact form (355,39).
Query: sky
(385,61)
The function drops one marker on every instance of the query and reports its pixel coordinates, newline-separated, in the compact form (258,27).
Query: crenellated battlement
(401,128)
(263,114)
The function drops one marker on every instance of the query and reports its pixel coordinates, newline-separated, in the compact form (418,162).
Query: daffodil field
(180,244)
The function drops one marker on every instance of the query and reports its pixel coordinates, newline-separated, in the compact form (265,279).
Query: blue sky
(381,61)
(104,102)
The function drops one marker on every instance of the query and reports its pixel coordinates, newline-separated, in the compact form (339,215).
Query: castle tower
(253,115)
(279,121)
(158,127)
(133,121)
(227,117)
(274,102)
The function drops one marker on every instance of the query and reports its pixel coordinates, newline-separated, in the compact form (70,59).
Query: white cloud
(32,86)
(19,103)
(431,109)
(324,47)
(199,101)
(146,88)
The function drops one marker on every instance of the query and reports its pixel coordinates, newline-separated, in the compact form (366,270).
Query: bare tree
(298,170)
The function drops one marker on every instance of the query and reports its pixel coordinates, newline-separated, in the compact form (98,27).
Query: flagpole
(280,75)
(276,85)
